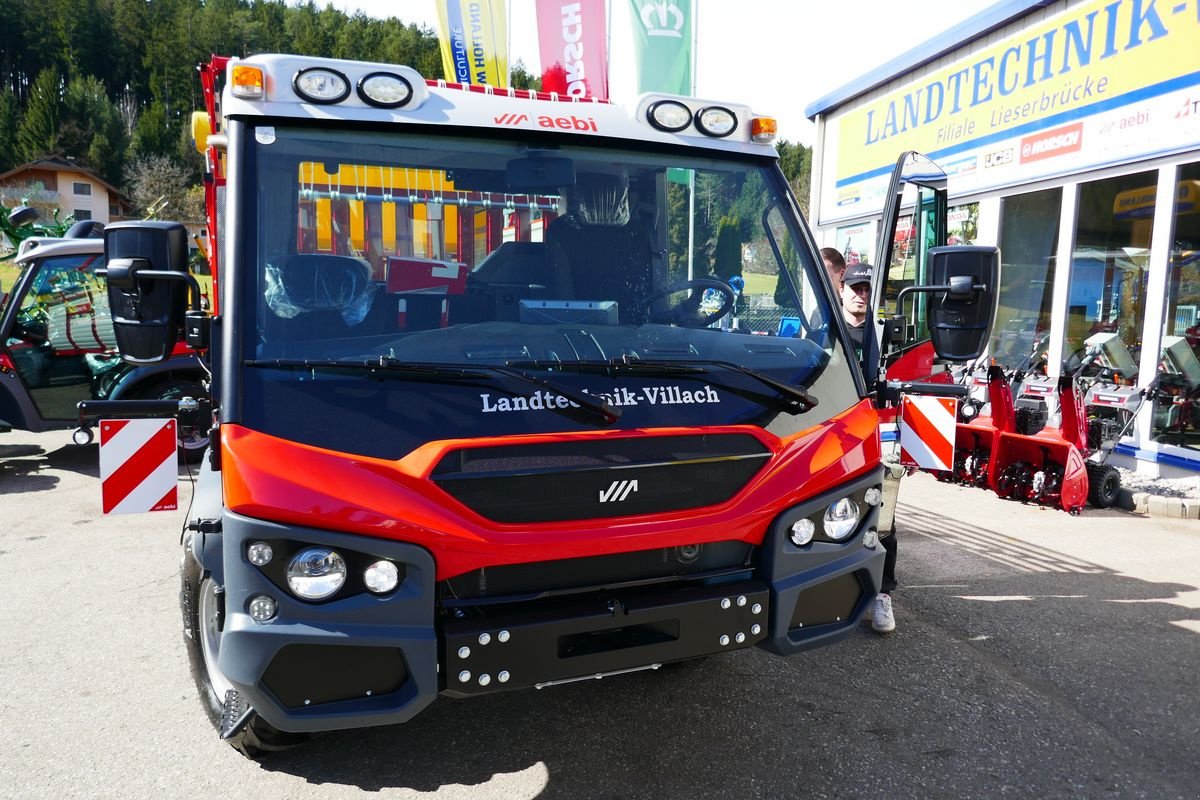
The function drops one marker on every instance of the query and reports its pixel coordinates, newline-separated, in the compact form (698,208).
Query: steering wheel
(687,314)
(32,325)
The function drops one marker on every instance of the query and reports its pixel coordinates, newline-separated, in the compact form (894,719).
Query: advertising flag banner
(572,38)
(474,41)
(662,44)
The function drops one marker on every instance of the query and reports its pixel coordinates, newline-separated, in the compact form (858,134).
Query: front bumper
(376,660)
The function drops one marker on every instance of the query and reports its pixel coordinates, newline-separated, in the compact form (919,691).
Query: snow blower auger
(1046,465)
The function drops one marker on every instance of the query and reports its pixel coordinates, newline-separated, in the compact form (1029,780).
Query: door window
(63,336)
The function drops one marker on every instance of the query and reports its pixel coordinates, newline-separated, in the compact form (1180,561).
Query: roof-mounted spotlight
(384,90)
(669,115)
(716,121)
(321,85)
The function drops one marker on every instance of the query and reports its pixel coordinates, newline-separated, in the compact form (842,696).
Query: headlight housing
(321,85)
(841,519)
(316,573)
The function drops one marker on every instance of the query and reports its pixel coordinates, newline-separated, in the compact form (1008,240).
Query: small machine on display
(1048,441)
(58,347)
(484,417)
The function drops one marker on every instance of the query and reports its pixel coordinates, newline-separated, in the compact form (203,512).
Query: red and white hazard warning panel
(927,426)
(138,469)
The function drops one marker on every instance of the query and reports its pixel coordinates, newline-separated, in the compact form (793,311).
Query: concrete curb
(1153,505)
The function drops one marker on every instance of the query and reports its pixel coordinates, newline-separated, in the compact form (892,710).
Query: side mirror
(147,287)
(961,318)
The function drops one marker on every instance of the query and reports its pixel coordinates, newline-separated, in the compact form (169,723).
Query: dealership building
(1070,132)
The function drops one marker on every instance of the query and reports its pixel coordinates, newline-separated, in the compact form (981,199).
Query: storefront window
(962,224)
(1028,238)
(1177,404)
(1107,300)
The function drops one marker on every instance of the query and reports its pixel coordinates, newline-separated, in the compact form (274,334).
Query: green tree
(521,78)
(152,134)
(91,129)
(37,135)
(796,162)
(727,255)
(9,123)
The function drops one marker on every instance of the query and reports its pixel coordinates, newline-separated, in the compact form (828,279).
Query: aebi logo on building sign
(1057,142)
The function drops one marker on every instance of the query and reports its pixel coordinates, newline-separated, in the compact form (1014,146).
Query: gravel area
(1166,487)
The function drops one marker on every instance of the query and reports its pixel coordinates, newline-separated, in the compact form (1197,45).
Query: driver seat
(602,262)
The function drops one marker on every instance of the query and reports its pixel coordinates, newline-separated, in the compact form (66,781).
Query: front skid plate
(588,638)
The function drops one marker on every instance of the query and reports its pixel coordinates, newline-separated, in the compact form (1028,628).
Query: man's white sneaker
(882,619)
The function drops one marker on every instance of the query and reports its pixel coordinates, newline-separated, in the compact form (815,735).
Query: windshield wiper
(613,366)
(607,413)
(797,395)
(792,398)
(372,365)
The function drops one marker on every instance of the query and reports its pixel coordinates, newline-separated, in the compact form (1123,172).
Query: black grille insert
(598,478)
(308,674)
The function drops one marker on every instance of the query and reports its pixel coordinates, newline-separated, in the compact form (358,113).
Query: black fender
(131,380)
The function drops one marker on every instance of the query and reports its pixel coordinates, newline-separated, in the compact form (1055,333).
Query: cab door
(914,220)
(57,335)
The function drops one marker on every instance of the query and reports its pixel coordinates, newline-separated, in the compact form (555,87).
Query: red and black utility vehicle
(487,415)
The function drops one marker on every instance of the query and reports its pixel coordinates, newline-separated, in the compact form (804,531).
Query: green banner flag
(662,44)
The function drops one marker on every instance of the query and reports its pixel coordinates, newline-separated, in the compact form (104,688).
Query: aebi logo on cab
(571,123)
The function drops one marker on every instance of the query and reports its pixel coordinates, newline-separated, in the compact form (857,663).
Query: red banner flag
(573,39)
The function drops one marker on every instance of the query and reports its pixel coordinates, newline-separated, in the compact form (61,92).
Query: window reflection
(1109,265)
(1176,412)
(1028,237)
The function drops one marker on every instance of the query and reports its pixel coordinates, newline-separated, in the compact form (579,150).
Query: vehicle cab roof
(455,105)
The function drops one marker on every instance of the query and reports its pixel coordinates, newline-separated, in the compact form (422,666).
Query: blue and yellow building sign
(1078,90)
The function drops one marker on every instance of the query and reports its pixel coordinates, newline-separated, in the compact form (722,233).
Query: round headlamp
(259,554)
(381,577)
(316,573)
(321,85)
(841,518)
(384,90)
(802,531)
(716,121)
(669,115)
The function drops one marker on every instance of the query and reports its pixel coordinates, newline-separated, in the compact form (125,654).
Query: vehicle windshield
(485,253)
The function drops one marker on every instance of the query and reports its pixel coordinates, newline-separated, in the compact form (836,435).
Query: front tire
(202,603)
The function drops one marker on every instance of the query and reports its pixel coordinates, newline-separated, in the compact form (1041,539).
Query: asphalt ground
(1037,655)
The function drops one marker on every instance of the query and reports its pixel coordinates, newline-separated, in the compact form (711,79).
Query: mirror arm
(959,288)
(124,272)
(889,391)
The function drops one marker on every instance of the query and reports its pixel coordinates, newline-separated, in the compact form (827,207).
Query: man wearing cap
(856,297)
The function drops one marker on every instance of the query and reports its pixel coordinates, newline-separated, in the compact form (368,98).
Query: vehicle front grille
(599,478)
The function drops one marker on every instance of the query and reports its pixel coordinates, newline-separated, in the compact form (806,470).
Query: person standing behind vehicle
(856,300)
(855,297)
(835,265)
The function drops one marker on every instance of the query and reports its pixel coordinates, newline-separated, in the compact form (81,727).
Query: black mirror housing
(147,312)
(961,319)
